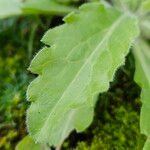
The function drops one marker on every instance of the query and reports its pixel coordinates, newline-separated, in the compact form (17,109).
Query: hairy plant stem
(58,147)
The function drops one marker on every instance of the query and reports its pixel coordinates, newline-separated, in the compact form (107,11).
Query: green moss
(120,131)
(12,100)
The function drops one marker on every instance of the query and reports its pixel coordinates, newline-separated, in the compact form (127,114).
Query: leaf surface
(126,5)
(28,143)
(142,77)
(83,56)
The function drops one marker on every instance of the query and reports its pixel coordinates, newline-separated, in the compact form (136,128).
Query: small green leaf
(83,56)
(142,77)
(28,144)
(10,8)
(45,7)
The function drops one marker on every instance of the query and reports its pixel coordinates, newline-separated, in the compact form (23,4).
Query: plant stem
(58,147)
(31,38)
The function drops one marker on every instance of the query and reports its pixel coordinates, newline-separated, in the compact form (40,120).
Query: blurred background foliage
(116,122)
(13,79)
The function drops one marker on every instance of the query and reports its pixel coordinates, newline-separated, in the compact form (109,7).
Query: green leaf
(45,7)
(145,26)
(146,6)
(83,56)
(9,8)
(142,77)
(28,143)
